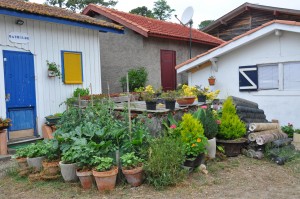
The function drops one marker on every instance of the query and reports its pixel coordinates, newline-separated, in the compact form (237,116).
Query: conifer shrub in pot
(35,155)
(232,130)
(132,168)
(163,167)
(105,173)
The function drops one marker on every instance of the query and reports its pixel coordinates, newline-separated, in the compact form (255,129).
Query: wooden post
(3,142)
(129,111)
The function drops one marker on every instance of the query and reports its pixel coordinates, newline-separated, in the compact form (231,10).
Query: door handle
(7,97)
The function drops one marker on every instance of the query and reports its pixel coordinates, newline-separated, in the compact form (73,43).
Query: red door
(168,72)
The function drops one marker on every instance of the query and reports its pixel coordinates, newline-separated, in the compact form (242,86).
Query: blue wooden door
(20,92)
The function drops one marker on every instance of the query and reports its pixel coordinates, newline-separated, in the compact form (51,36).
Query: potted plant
(149,97)
(132,169)
(68,164)
(194,141)
(4,123)
(35,155)
(170,99)
(21,157)
(105,173)
(210,126)
(51,161)
(187,95)
(212,80)
(232,129)
(82,92)
(53,70)
(288,129)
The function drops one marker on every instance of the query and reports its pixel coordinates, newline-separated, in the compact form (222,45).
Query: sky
(203,9)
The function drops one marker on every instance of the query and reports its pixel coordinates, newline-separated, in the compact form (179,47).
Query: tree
(80,4)
(143,11)
(204,23)
(162,10)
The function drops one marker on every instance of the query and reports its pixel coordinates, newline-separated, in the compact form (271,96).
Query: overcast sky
(203,9)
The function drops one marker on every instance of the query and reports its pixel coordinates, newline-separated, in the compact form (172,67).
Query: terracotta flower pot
(211,81)
(86,178)
(134,176)
(22,162)
(51,168)
(185,101)
(106,180)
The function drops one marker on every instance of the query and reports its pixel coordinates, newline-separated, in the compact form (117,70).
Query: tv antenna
(186,19)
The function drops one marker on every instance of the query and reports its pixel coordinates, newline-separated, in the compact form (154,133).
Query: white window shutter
(268,77)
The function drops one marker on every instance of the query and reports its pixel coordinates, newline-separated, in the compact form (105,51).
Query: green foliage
(123,83)
(79,4)
(208,121)
(231,126)
(204,23)
(81,92)
(162,10)
(169,95)
(52,150)
(288,129)
(22,152)
(36,150)
(163,167)
(52,66)
(137,78)
(143,11)
(130,160)
(102,163)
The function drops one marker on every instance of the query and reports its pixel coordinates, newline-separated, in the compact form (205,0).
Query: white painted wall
(282,105)
(46,42)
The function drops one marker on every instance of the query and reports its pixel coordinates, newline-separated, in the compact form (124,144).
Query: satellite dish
(187,15)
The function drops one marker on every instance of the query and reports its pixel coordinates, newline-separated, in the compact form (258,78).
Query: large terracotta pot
(185,101)
(51,168)
(86,178)
(134,176)
(106,180)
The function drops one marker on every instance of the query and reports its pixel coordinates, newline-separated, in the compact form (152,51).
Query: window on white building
(268,77)
(291,76)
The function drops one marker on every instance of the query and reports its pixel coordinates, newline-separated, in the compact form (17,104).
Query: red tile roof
(149,27)
(294,23)
(45,10)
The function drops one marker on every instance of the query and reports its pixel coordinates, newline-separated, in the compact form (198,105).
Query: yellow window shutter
(72,68)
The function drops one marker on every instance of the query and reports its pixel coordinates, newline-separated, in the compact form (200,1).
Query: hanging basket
(211,81)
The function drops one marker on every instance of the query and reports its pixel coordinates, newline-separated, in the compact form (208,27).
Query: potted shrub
(53,119)
(51,161)
(232,129)
(53,69)
(4,123)
(35,155)
(21,157)
(201,93)
(68,164)
(210,127)
(212,80)
(105,173)
(194,141)
(149,97)
(186,95)
(82,92)
(132,169)
(170,99)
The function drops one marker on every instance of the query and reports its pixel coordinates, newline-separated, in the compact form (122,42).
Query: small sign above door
(18,37)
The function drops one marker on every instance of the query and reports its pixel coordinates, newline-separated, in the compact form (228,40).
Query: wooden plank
(200,67)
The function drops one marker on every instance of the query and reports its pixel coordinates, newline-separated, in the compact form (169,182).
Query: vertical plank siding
(246,21)
(46,42)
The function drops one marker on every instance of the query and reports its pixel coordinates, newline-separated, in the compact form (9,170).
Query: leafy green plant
(81,92)
(36,150)
(210,126)
(52,150)
(149,94)
(123,83)
(163,167)
(102,163)
(231,126)
(21,152)
(137,78)
(191,131)
(288,129)
(169,95)
(130,160)
(52,66)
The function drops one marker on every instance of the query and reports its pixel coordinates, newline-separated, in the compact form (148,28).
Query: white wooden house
(261,65)
(30,35)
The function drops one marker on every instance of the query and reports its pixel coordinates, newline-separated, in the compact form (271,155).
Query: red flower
(218,121)
(173,126)
(203,107)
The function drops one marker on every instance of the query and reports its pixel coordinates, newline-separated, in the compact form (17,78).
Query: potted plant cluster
(105,173)
(53,119)
(201,93)
(35,155)
(170,99)
(232,130)
(149,97)
(186,95)
(132,168)
(21,157)
(53,69)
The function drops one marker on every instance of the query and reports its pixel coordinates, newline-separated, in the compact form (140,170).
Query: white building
(30,35)
(262,65)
